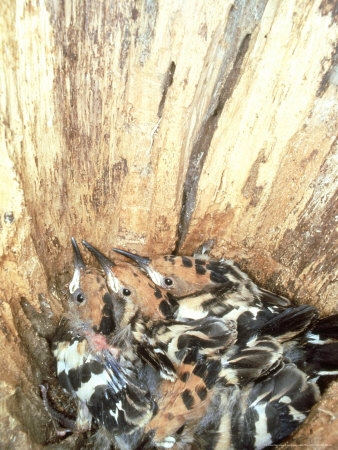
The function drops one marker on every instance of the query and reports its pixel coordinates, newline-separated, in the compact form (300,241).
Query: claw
(55,416)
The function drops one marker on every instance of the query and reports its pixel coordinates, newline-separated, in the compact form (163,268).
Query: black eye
(168,281)
(126,292)
(80,298)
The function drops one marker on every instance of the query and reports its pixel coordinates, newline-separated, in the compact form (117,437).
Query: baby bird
(249,356)
(215,385)
(209,288)
(184,276)
(105,383)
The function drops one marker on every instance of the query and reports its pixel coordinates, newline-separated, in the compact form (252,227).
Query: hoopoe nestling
(210,334)
(185,275)
(213,381)
(215,288)
(105,383)
(227,303)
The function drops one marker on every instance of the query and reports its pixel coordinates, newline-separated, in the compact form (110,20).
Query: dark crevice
(202,144)
(326,80)
(168,81)
(329,7)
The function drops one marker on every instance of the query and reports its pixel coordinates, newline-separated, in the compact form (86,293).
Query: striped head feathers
(89,299)
(184,275)
(132,286)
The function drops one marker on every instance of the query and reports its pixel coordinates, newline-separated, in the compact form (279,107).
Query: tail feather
(274,408)
(158,360)
(282,325)
(204,337)
(316,351)
(270,299)
(324,330)
(322,359)
(289,323)
(257,359)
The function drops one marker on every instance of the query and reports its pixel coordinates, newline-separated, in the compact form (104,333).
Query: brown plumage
(182,404)
(88,298)
(127,282)
(184,275)
(180,275)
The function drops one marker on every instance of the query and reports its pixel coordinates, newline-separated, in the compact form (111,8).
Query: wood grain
(158,127)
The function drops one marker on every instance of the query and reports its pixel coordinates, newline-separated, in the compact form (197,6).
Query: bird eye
(126,292)
(168,281)
(80,298)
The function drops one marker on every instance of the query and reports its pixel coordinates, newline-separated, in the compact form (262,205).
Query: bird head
(180,275)
(90,303)
(133,288)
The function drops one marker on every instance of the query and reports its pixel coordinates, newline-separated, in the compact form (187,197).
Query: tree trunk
(159,126)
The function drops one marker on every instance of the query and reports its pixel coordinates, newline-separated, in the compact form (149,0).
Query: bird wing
(113,394)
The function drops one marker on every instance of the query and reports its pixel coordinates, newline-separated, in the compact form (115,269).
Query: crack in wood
(202,144)
(330,76)
(168,81)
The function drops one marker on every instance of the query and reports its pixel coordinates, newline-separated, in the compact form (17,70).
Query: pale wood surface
(157,126)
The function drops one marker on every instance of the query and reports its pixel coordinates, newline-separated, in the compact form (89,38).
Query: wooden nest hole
(159,128)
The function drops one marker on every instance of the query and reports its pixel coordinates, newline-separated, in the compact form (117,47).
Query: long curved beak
(78,260)
(105,262)
(143,262)
(107,265)
(78,266)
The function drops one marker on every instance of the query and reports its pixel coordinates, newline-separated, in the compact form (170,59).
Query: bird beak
(78,266)
(143,262)
(78,260)
(107,265)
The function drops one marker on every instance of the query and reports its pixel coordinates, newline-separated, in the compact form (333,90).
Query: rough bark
(159,126)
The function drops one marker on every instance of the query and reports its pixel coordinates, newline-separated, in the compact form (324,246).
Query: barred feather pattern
(188,351)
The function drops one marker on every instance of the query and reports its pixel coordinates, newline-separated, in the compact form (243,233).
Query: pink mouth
(99,343)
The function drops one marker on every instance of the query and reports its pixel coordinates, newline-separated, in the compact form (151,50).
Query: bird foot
(56,417)
(329,413)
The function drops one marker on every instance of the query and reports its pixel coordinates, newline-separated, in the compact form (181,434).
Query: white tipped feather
(75,283)
(113,282)
(155,276)
(262,437)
